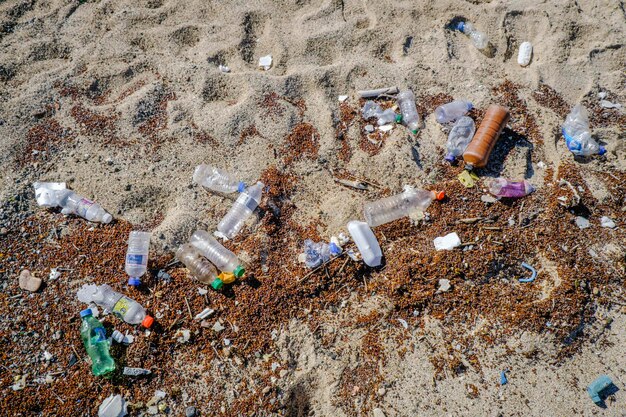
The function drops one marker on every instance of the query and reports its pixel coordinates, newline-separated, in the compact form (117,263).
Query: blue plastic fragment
(503,380)
(531,269)
(241,187)
(596,387)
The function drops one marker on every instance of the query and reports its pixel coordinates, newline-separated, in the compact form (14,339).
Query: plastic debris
(207,312)
(447,242)
(468,178)
(479,39)
(217,327)
(399,205)
(203,291)
(241,209)
(224,68)
(29,282)
(532,270)
(607,222)
(602,95)
(410,116)
(217,180)
(525,54)
(265,62)
(503,379)
(366,242)
(113,406)
(136,371)
(476,155)
(342,98)
(501,187)
(369,128)
(164,276)
(577,134)
(54,274)
(372,109)
(20,383)
(378,92)
(121,338)
(199,267)
(46,193)
(452,111)
(121,306)
(582,223)
(93,334)
(489,199)
(191,412)
(137,256)
(403,323)
(214,251)
(608,105)
(444,285)
(386,128)
(596,387)
(459,137)
(183,335)
(55,194)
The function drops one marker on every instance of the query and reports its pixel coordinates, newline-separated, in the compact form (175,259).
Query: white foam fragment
(342,98)
(447,242)
(224,68)
(265,62)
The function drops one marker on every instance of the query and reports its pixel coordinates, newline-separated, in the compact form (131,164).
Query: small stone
(486,198)
(28,282)
(369,128)
(444,285)
(602,95)
(113,406)
(54,274)
(595,291)
(607,222)
(224,68)
(136,371)
(266,390)
(381,391)
(283,373)
(191,412)
(162,407)
(217,327)
(378,413)
(581,222)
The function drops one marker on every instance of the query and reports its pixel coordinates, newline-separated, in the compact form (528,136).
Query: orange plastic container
(477,152)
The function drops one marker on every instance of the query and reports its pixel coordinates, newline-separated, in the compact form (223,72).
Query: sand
(122,100)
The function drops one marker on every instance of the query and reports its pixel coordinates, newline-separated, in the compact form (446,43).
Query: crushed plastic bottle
(479,39)
(452,111)
(501,187)
(392,208)
(316,253)
(366,242)
(121,306)
(410,116)
(94,338)
(137,256)
(460,136)
(372,109)
(198,266)
(577,134)
(242,208)
(52,194)
(217,180)
(215,252)
(47,193)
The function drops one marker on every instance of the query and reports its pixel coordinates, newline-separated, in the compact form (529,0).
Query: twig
(354,184)
(470,220)
(188,308)
(491,228)
(378,92)
(344,265)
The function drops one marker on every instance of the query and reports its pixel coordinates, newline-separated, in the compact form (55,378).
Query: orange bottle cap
(147,322)
(440,195)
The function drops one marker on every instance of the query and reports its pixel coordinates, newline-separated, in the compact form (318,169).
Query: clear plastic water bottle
(215,252)
(460,136)
(198,266)
(216,179)
(479,39)
(410,116)
(366,242)
(392,208)
(501,187)
(242,208)
(577,134)
(137,256)
(72,203)
(452,111)
(372,109)
(94,338)
(121,306)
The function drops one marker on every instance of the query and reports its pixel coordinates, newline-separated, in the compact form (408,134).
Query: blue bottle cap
(241,187)
(460,26)
(85,313)
(602,150)
(134,281)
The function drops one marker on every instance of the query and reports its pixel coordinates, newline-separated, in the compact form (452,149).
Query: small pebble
(581,222)
(486,198)
(28,282)
(369,128)
(191,412)
(217,327)
(378,413)
(444,285)
(607,222)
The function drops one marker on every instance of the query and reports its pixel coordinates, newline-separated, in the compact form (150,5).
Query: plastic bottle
(479,39)
(242,208)
(215,252)
(73,203)
(366,242)
(577,134)
(121,306)
(452,111)
(198,266)
(216,179)
(410,116)
(94,338)
(460,136)
(386,117)
(525,53)
(501,187)
(372,109)
(392,208)
(137,256)
(477,152)
(316,253)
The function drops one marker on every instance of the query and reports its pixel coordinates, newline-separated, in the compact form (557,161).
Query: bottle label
(121,307)
(83,206)
(136,259)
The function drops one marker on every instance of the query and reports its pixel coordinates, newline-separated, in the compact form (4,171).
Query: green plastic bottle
(94,338)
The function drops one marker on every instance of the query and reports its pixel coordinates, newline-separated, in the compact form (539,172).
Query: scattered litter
(128,339)
(19,383)
(487,198)
(45,193)
(577,133)
(459,137)
(607,222)
(183,335)
(467,178)
(541,165)
(608,105)
(113,406)
(224,68)
(207,312)
(378,92)
(217,327)
(54,274)
(121,306)
(477,153)
(525,53)
(478,39)
(602,95)
(342,98)
(55,194)
(136,264)
(503,379)
(275,366)
(47,356)
(447,242)
(28,282)
(117,336)
(408,111)
(369,128)
(265,62)
(164,276)
(596,387)
(366,242)
(444,285)
(136,371)
(455,110)
(581,222)
(203,291)
(403,323)
(501,187)
(531,269)
(385,128)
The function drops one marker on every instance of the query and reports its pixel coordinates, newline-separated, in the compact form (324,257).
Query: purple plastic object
(501,187)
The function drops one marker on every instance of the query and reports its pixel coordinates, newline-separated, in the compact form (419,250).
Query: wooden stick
(378,92)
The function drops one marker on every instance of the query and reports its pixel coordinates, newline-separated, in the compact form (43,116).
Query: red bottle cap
(440,195)
(147,322)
